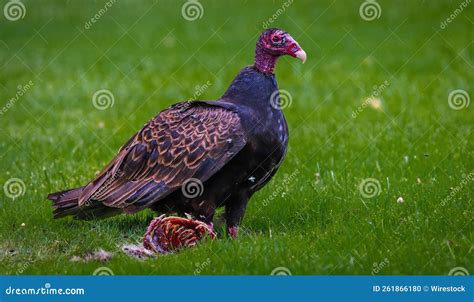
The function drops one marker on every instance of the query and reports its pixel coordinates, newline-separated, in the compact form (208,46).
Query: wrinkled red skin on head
(267,52)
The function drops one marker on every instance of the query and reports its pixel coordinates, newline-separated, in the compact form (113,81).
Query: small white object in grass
(23,224)
(318,177)
(375,103)
(75,259)
(400,200)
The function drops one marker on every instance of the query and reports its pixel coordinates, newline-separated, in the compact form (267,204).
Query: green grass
(415,145)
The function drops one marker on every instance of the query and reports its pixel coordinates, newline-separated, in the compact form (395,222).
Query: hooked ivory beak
(301,54)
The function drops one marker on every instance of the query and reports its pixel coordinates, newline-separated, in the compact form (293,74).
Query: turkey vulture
(200,155)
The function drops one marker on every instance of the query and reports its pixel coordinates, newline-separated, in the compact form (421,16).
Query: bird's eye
(278,40)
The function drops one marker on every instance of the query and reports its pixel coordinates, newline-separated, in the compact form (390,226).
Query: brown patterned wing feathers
(187,140)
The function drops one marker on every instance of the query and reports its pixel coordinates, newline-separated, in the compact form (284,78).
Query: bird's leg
(234,212)
(233,231)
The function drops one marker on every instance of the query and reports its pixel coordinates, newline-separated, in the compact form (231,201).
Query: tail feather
(66,203)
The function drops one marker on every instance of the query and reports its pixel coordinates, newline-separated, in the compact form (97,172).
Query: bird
(197,156)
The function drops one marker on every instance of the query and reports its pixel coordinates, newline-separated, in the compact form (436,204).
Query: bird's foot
(233,231)
(168,234)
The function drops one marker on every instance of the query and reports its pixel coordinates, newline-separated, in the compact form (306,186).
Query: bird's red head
(272,44)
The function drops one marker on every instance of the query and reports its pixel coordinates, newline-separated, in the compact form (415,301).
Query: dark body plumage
(233,146)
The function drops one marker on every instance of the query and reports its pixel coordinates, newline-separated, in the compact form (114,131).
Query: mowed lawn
(378,178)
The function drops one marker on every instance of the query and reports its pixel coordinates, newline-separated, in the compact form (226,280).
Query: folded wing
(188,140)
